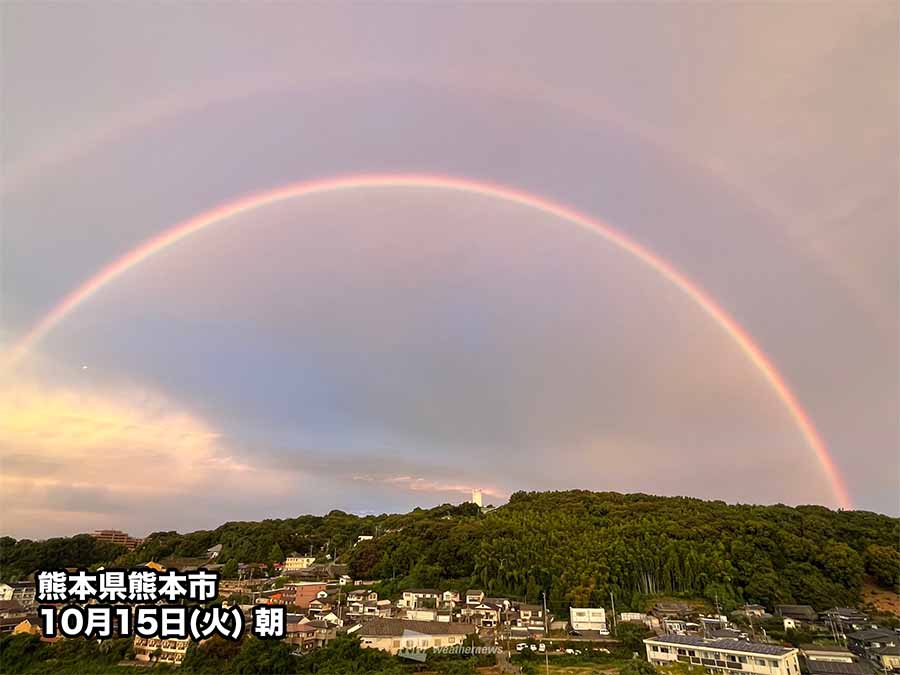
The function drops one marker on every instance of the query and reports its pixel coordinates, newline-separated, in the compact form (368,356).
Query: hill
(576,546)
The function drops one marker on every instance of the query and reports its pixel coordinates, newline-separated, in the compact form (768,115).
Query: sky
(380,348)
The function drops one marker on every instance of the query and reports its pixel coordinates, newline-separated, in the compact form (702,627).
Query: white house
(587,618)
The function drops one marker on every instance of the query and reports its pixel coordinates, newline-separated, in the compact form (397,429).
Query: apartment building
(160,650)
(117,537)
(723,656)
(295,563)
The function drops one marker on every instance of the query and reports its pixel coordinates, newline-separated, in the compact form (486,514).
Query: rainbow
(222,213)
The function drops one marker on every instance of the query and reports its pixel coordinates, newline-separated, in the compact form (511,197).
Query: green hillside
(576,546)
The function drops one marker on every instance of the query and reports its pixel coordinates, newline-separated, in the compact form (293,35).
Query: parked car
(521,646)
(542,648)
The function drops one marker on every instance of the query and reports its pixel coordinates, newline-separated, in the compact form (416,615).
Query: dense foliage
(27,654)
(576,546)
(19,559)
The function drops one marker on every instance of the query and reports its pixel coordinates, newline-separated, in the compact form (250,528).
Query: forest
(578,547)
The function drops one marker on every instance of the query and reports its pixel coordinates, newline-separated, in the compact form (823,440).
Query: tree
(230,570)
(632,635)
(883,563)
(276,555)
(638,667)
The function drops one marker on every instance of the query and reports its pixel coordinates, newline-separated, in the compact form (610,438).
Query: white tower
(476,497)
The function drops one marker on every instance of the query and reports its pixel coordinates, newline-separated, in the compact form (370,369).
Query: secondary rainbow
(219,214)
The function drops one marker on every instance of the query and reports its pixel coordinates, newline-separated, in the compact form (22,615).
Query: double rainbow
(220,214)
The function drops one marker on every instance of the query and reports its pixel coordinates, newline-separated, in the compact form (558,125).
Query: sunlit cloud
(83,457)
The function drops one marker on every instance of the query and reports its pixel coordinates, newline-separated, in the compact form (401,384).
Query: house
(393,635)
(587,619)
(867,642)
(22,592)
(753,610)
(837,668)
(325,631)
(474,596)
(11,608)
(638,617)
(527,618)
(887,658)
(6,592)
(361,596)
(450,598)
(345,580)
(671,610)
(213,551)
(423,614)
(302,636)
(30,625)
(414,598)
(829,653)
(846,615)
(722,656)
(483,614)
(296,562)
(171,651)
(797,613)
(676,626)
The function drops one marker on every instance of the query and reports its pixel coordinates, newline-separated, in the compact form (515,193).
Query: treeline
(578,547)
(19,559)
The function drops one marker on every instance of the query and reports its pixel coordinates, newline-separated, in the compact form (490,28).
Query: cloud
(83,457)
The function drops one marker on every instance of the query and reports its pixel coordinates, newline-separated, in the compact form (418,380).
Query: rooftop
(836,668)
(730,645)
(396,628)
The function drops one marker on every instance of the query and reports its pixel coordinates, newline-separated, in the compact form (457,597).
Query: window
(760,662)
(395,643)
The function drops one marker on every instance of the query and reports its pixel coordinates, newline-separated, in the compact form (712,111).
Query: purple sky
(377,350)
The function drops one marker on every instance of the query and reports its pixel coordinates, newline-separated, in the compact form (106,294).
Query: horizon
(364,258)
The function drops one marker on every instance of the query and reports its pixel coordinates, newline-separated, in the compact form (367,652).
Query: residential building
(361,596)
(450,598)
(474,596)
(22,592)
(723,656)
(170,651)
(302,593)
(11,608)
(887,658)
(797,613)
(424,614)
(29,624)
(415,598)
(837,668)
(117,537)
(393,635)
(296,562)
(587,619)
(867,642)
(302,636)
(830,653)
(484,614)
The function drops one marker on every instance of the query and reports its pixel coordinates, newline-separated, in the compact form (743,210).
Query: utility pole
(612,600)
(546,633)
